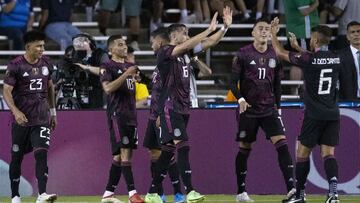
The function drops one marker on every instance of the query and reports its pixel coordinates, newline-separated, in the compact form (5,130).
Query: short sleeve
(299,59)
(165,53)
(105,73)
(11,74)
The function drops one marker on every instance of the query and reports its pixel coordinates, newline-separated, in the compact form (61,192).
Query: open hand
(243,105)
(227,17)
(20,118)
(275,26)
(213,24)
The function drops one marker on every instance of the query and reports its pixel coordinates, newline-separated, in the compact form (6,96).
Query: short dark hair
(352,23)
(175,27)
(112,38)
(325,33)
(265,20)
(33,36)
(161,32)
(89,37)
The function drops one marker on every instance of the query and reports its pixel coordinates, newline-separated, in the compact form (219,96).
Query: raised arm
(215,38)
(279,49)
(192,42)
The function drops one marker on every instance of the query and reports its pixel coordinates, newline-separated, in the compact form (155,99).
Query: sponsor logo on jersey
(25,74)
(119,71)
(45,70)
(272,63)
(252,62)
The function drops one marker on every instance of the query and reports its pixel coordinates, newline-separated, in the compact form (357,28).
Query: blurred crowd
(55,16)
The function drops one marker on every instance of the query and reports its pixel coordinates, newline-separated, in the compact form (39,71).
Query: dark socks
(128,175)
(184,165)
(15,173)
(285,163)
(302,171)
(174,176)
(241,168)
(114,176)
(331,170)
(41,169)
(162,165)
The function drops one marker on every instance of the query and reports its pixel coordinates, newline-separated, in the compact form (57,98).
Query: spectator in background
(16,18)
(280,8)
(141,81)
(132,11)
(157,11)
(301,16)
(350,83)
(56,21)
(346,10)
(202,11)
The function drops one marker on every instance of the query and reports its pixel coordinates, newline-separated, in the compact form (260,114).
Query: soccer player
(117,78)
(160,38)
(29,92)
(174,101)
(321,119)
(257,71)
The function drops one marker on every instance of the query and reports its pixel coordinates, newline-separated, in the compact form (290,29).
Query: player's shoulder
(17,61)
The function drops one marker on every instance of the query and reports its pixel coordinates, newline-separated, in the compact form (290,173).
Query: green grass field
(209,198)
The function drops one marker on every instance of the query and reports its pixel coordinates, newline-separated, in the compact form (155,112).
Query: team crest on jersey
(262,61)
(102,71)
(35,71)
(119,71)
(45,70)
(272,63)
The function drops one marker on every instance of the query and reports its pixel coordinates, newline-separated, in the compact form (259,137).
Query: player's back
(321,74)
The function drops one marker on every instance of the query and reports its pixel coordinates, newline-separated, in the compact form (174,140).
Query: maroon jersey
(30,93)
(259,75)
(155,93)
(175,76)
(121,102)
(321,74)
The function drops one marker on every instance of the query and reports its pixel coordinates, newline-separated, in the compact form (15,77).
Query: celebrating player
(257,71)
(117,78)
(321,119)
(29,92)
(174,101)
(159,38)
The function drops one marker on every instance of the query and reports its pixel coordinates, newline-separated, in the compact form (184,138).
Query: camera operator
(88,58)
